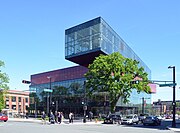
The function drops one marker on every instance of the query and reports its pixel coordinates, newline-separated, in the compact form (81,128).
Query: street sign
(164,85)
(48,90)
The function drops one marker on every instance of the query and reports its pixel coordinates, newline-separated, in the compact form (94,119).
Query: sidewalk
(65,121)
(25,120)
(177,128)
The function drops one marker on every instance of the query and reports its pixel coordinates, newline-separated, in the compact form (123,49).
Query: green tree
(4,79)
(114,74)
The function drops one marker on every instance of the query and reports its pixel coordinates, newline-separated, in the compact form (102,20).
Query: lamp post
(85,104)
(174,99)
(143,105)
(50,94)
(35,106)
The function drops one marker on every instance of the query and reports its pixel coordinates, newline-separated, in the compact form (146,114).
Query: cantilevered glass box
(88,40)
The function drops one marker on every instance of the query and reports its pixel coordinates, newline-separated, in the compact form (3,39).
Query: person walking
(71,117)
(59,117)
(90,115)
(62,116)
(52,118)
(56,116)
(43,116)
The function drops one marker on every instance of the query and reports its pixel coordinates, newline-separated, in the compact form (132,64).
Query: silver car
(130,119)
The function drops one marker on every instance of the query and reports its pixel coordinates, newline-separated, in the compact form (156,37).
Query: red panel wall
(59,75)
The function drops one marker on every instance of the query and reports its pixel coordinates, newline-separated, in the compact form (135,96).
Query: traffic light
(26,82)
(135,82)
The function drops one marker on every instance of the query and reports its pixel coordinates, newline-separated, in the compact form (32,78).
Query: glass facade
(72,87)
(96,35)
(69,96)
(68,84)
(83,38)
(135,104)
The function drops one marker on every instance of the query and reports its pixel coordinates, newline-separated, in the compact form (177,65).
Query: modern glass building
(86,41)
(68,90)
(83,43)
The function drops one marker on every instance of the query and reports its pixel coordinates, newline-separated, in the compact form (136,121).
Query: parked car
(151,120)
(142,117)
(159,117)
(3,117)
(130,119)
(112,119)
(168,117)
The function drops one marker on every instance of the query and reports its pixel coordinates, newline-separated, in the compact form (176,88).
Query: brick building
(16,103)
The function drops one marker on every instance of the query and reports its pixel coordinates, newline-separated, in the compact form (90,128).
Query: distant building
(16,103)
(165,107)
(83,43)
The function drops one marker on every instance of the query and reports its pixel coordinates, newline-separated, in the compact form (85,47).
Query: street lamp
(85,104)
(50,95)
(174,99)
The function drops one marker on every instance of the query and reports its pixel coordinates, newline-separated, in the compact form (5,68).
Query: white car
(159,117)
(130,119)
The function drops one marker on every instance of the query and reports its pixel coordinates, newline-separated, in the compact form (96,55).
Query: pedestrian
(52,118)
(56,116)
(90,115)
(71,117)
(43,116)
(59,117)
(62,117)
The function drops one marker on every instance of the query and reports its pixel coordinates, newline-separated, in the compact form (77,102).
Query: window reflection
(97,34)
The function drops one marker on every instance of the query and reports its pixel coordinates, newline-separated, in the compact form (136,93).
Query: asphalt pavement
(80,122)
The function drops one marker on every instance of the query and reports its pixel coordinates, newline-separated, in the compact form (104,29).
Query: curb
(173,129)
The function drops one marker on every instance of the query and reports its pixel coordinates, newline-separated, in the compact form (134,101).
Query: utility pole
(56,105)
(85,104)
(50,94)
(35,106)
(143,105)
(47,104)
(174,98)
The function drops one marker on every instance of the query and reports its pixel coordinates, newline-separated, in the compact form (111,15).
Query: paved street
(27,127)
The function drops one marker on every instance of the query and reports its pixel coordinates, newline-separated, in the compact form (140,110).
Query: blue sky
(32,34)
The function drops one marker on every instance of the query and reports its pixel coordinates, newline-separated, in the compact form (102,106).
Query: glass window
(14,107)
(7,106)
(19,108)
(26,100)
(96,41)
(95,29)
(7,99)
(82,40)
(19,99)
(13,99)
